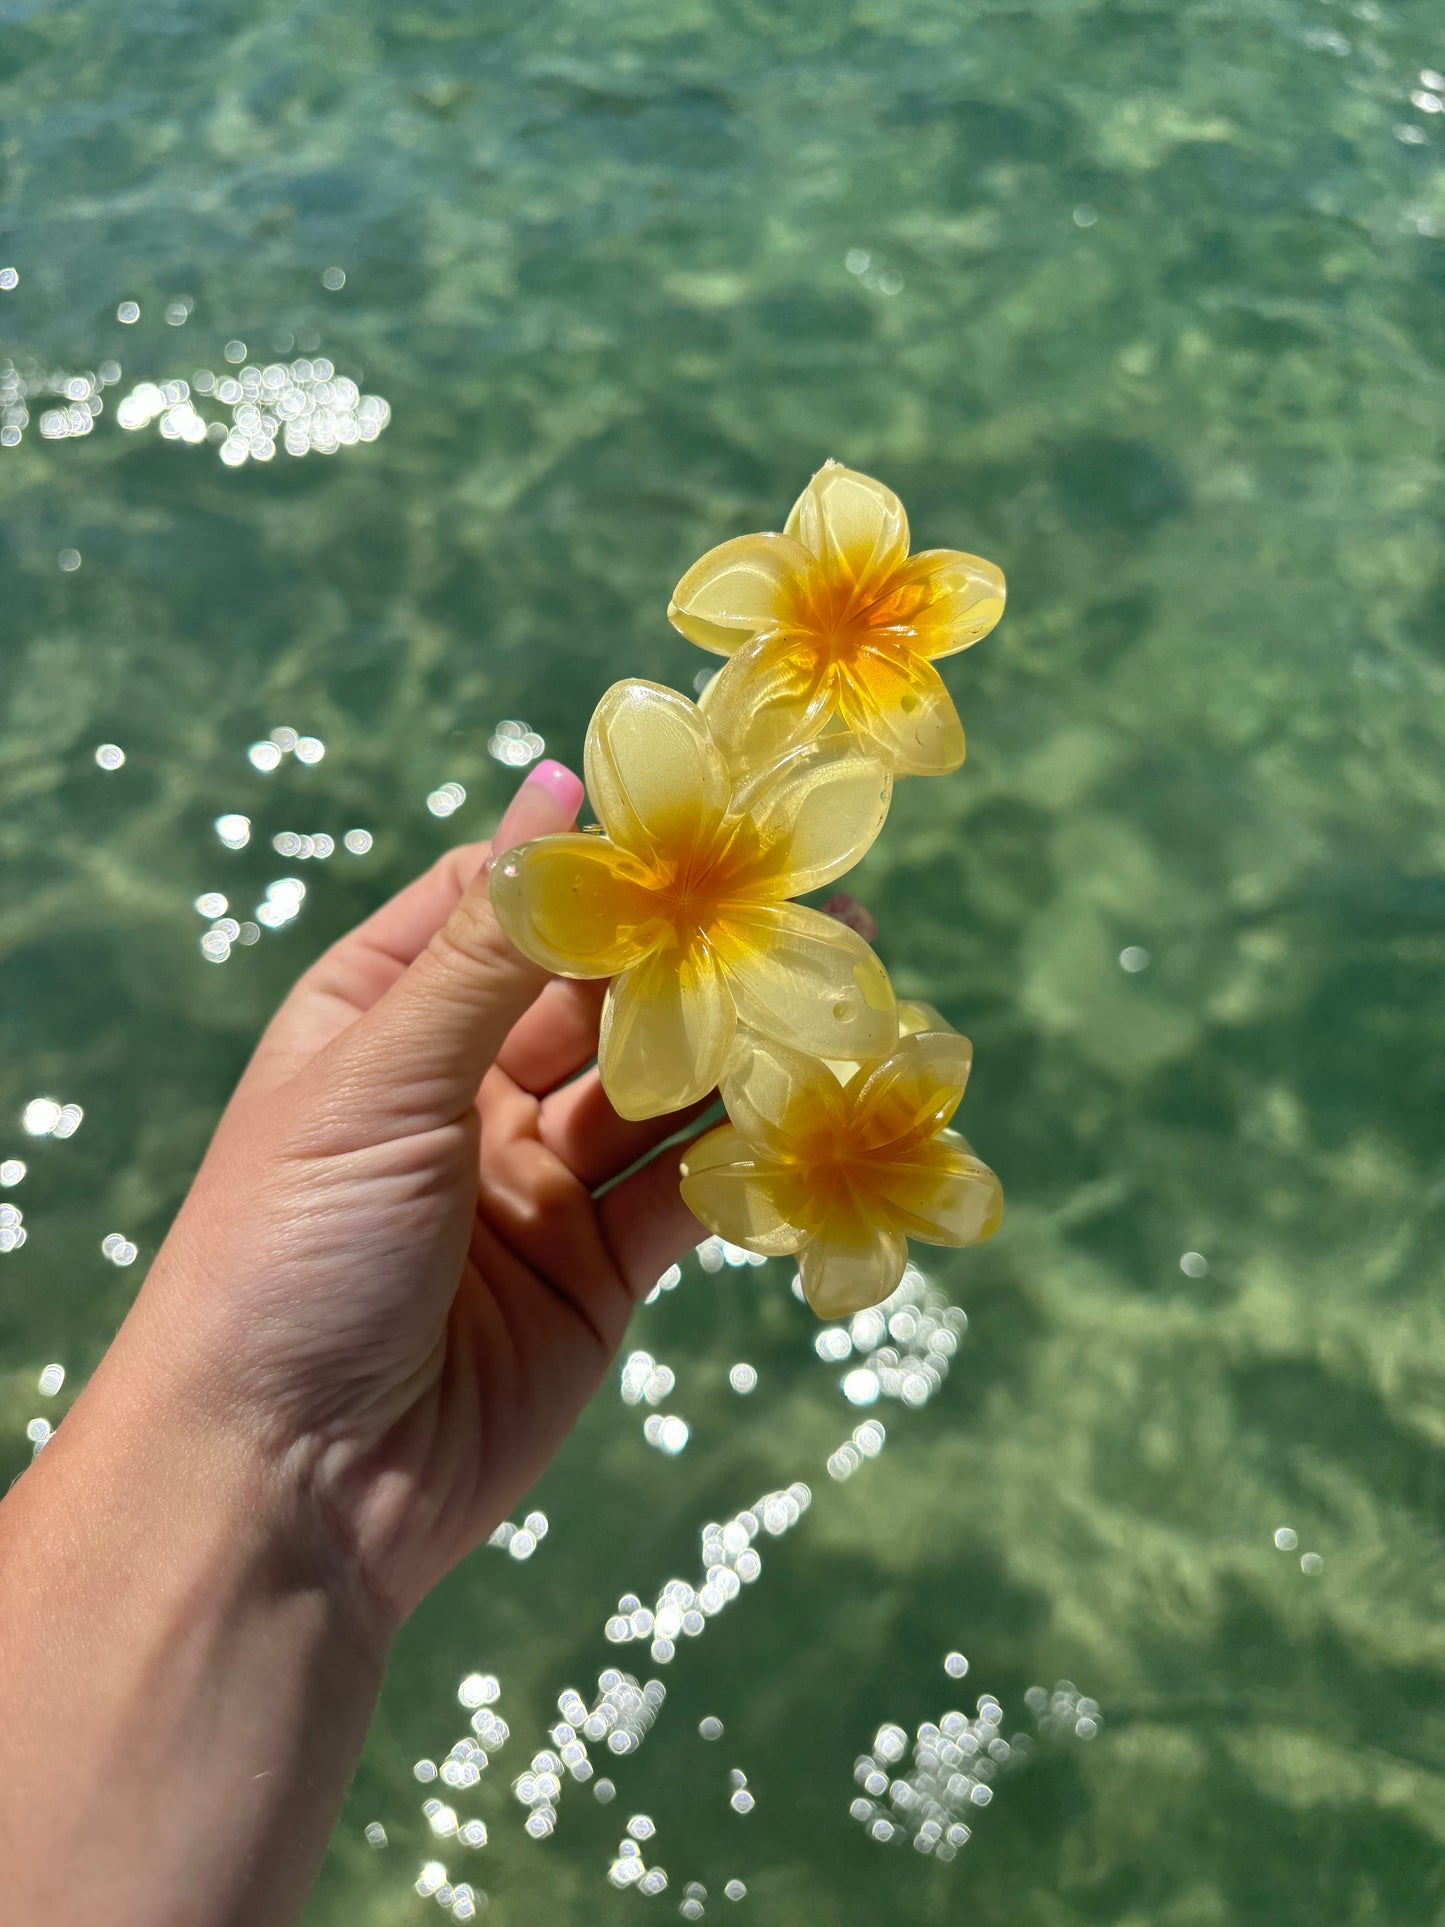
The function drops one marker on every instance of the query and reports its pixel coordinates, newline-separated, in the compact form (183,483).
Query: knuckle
(459,866)
(471,939)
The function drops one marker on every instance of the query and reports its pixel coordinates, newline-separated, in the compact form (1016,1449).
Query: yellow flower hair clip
(683,899)
(834,623)
(841,1174)
(711,819)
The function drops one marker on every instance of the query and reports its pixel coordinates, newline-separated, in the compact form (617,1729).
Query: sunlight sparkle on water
(669,1281)
(515,745)
(446,800)
(955,1763)
(293,408)
(234,831)
(669,1434)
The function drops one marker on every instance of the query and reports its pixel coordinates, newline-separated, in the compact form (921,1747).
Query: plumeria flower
(834,624)
(843,1174)
(683,898)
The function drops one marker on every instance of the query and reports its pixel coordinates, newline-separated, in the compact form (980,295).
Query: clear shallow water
(1151,314)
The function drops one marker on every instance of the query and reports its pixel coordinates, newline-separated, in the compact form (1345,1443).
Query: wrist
(167,1592)
(196,1397)
(151,1468)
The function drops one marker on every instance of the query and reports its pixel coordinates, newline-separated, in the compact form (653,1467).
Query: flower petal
(819,810)
(737,590)
(775,1095)
(802,977)
(912,1094)
(851,1267)
(575,904)
(666,1028)
(655,776)
(726,1190)
(897,705)
(945,1196)
(852,524)
(940,601)
(774,694)
(915,1015)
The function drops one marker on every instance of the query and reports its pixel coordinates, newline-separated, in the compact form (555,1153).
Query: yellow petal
(897,705)
(723,1188)
(852,1268)
(912,1094)
(946,1196)
(855,526)
(775,1095)
(655,776)
(575,904)
(774,694)
(941,601)
(915,1015)
(807,980)
(666,1028)
(737,590)
(817,812)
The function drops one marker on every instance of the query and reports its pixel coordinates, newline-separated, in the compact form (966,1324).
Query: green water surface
(1148,305)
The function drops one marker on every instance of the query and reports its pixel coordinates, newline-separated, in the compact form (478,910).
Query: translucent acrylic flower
(913,1016)
(843,1174)
(683,898)
(833,623)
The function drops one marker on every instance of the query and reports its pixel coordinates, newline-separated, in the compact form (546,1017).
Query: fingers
(556,1037)
(598,1257)
(546,1218)
(576,1124)
(646,1224)
(417,1057)
(580,1125)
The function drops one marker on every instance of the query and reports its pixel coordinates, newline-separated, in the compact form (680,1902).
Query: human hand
(392,1277)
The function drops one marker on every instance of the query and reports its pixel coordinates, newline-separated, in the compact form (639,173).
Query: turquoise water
(1144,305)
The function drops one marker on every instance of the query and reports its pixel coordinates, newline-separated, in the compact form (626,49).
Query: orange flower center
(832,1173)
(840,617)
(696,888)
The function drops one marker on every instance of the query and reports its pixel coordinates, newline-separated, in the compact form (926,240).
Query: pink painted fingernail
(560,782)
(547,801)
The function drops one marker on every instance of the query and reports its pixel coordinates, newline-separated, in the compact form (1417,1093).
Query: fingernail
(547,801)
(560,782)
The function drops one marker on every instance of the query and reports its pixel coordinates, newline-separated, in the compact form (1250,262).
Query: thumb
(419,1055)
